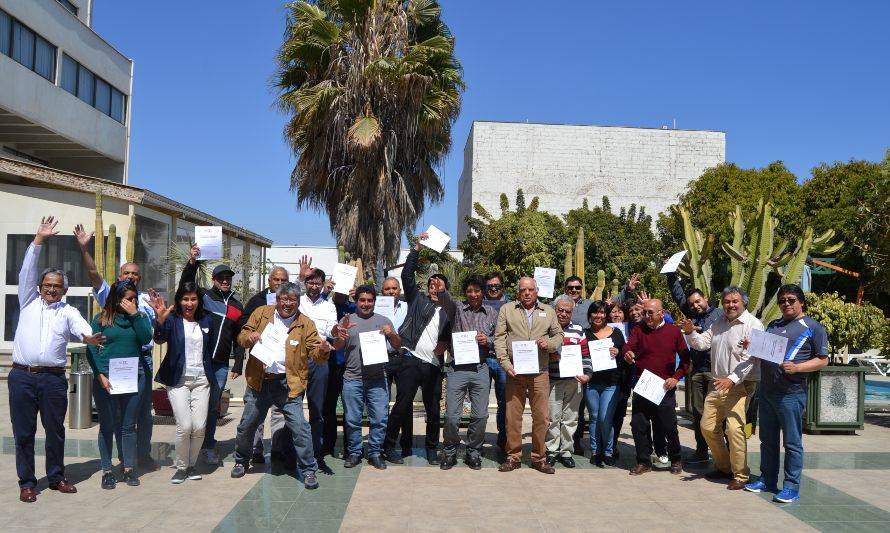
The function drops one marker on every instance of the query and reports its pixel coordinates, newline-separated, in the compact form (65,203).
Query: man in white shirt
(37,381)
(128,272)
(735,377)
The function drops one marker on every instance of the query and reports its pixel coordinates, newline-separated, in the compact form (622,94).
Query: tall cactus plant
(597,293)
(111,254)
(699,247)
(99,237)
(758,256)
(567,268)
(579,258)
(131,240)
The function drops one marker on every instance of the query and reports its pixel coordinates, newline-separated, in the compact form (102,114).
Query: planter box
(161,403)
(835,400)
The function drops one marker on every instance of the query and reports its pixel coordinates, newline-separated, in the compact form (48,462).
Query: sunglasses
(787,301)
(573,287)
(494,287)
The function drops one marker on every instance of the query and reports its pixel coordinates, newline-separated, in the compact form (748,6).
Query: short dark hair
(596,307)
(365,289)
(695,290)
(613,305)
(793,290)
(315,273)
(437,276)
(473,279)
(571,279)
(186,288)
(494,274)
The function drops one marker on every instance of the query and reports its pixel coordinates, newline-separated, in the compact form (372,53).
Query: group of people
(303,340)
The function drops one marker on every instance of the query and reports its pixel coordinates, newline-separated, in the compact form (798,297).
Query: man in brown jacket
(281,340)
(527,320)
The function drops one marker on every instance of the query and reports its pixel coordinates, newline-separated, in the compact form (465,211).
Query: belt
(269,377)
(40,369)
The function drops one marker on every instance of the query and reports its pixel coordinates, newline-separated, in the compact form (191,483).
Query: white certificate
(466,349)
(373,346)
(271,298)
(546,279)
(650,387)
(673,262)
(570,361)
(525,357)
(209,241)
(600,356)
(270,348)
(123,373)
(767,346)
(343,277)
(620,326)
(386,306)
(436,239)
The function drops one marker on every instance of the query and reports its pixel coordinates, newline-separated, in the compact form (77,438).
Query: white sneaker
(192,474)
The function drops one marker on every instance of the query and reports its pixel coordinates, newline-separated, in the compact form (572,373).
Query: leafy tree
(371,89)
(515,243)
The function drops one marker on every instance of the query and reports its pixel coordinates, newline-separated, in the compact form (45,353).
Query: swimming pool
(877,391)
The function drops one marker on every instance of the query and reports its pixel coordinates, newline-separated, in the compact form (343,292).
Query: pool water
(877,391)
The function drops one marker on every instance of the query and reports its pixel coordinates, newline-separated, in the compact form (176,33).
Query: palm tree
(371,88)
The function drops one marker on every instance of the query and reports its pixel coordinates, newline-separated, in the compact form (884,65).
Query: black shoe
(609,460)
(448,462)
(551,460)
(310,481)
(148,464)
(407,451)
(130,478)
(473,462)
(432,457)
(567,462)
(238,470)
(193,474)
(578,449)
(597,460)
(179,477)
(377,462)
(352,461)
(615,454)
(258,458)
(391,456)
(108,481)
(275,457)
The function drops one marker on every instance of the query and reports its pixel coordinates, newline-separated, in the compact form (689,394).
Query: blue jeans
(144,423)
(781,412)
(601,402)
(497,374)
(256,407)
(117,413)
(357,394)
(217,386)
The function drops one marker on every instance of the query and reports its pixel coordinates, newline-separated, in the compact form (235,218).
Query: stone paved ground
(846,487)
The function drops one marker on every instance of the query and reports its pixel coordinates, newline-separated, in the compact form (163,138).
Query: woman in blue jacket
(186,372)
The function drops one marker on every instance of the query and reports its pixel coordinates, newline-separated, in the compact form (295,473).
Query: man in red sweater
(654,347)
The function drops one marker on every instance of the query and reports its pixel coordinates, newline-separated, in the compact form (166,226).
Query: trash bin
(80,391)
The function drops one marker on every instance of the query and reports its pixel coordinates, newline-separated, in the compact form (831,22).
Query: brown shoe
(676,468)
(63,486)
(28,495)
(640,469)
(544,467)
(735,484)
(509,466)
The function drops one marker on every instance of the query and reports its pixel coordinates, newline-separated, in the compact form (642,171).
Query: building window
(26,47)
(69,6)
(82,83)
(150,252)
(81,303)
(62,251)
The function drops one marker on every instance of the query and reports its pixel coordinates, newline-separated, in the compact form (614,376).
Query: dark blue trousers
(29,394)
(315,396)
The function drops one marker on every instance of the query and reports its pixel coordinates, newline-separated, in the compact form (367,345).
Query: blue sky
(802,82)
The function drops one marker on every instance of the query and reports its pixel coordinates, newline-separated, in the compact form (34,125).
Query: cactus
(99,237)
(579,258)
(597,293)
(738,236)
(759,256)
(341,254)
(567,268)
(697,265)
(359,273)
(131,240)
(111,254)
(616,288)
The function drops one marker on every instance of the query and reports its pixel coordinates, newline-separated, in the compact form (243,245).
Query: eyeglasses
(494,286)
(573,287)
(647,312)
(787,301)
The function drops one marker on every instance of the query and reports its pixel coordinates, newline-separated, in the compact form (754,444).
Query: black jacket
(421,307)
(701,359)
(173,333)
(227,316)
(257,300)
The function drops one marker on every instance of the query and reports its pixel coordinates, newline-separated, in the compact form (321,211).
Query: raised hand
(129,307)
(83,238)
(305,267)
(96,339)
(160,306)
(328,286)
(422,237)
(633,282)
(644,296)
(194,253)
(46,229)
(687,326)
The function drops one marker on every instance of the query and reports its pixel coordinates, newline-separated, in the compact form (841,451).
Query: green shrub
(859,327)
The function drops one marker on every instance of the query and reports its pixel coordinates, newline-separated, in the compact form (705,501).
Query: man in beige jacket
(527,320)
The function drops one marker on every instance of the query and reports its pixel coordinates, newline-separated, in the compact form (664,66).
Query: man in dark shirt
(494,297)
(653,347)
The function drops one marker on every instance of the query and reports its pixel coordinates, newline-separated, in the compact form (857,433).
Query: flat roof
(589,125)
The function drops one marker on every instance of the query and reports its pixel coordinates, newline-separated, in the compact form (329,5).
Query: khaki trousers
(565,398)
(728,406)
(536,389)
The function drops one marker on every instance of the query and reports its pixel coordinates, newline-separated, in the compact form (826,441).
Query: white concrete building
(563,164)
(64,136)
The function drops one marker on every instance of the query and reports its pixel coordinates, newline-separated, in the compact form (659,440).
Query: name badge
(542,314)
(294,342)
(205,330)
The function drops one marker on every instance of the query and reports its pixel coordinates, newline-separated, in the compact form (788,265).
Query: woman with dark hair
(126,330)
(186,372)
(602,387)
(618,314)
(783,394)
